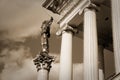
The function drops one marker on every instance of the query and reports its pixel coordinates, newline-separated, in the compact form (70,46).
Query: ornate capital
(92,6)
(43,61)
(67,28)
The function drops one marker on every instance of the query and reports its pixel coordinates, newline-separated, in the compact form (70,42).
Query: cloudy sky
(20,22)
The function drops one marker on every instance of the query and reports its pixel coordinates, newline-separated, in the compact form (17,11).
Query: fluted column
(101,61)
(116,32)
(66,57)
(66,53)
(90,45)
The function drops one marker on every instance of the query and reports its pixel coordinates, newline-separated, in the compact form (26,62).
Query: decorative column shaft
(90,45)
(66,53)
(101,61)
(116,32)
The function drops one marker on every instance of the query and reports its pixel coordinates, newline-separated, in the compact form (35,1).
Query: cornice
(71,14)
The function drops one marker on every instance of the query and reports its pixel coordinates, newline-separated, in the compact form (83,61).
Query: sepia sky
(20,22)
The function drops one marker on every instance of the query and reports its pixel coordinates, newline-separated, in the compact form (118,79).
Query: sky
(20,22)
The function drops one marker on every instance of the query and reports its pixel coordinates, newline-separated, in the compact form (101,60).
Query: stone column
(43,64)
(66,53)
(43,60)
(116,32)
(43,75)
(90,45)
(101,61)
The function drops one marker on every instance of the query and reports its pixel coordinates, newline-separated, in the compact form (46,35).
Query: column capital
(67,28)
(92,6)
(43,61)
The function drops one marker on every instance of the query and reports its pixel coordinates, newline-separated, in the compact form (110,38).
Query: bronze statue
(45,34)
(43,60)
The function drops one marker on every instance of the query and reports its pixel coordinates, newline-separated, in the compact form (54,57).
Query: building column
(90,45)
(66,57)
(66,53)
(101,61)
(116,32)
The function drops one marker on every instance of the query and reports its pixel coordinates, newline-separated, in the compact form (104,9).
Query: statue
(45,34)
(43,60)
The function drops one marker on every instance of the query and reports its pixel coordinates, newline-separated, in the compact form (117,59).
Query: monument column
(43,60)
(90,44)
(43,75)
(116,32)
(66,53)
(43,64)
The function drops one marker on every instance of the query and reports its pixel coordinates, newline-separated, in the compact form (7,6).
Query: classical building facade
(99,21)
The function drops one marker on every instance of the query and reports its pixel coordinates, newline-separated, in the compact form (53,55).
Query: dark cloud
(15,62)
(1,66)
